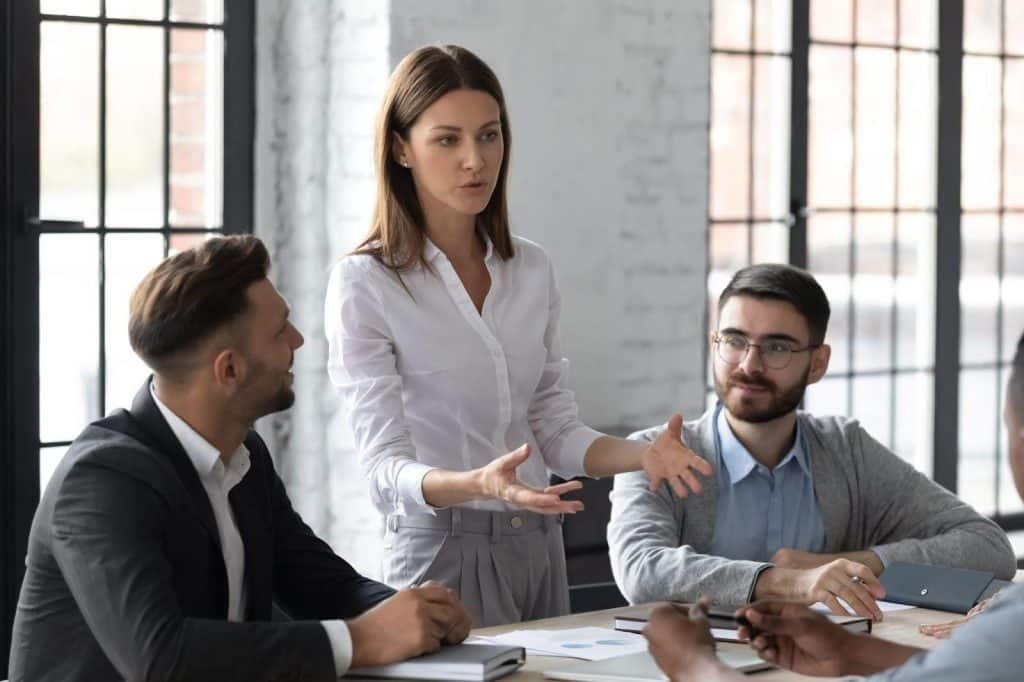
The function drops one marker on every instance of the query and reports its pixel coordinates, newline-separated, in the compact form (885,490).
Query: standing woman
(443,333)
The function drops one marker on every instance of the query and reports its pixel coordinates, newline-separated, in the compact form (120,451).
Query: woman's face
(454,153)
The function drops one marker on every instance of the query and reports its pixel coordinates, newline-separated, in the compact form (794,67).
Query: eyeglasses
(775,354)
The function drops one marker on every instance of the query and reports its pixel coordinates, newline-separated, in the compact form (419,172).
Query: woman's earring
(405,163)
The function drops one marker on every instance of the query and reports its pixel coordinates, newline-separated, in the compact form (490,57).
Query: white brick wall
(609,109)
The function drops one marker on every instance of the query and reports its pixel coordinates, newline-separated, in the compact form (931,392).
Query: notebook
(642,668)
(634,620)
(473,662)
(934,587)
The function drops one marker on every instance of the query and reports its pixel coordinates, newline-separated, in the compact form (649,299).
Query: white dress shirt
(218,481)
(429,382)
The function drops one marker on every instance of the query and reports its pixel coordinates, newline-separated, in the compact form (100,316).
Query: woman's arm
(666,460)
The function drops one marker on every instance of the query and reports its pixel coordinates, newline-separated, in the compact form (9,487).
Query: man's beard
(781,403)
(282,399)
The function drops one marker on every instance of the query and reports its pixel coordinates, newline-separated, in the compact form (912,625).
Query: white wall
(609,109)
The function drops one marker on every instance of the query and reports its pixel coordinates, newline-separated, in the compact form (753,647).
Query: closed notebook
(461,662)
(934,587)
(642,668)
(634,620)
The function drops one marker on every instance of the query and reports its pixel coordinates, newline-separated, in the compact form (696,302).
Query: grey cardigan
(869,499)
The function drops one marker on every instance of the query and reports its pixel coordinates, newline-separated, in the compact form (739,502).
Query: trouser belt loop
(392,523)
(497,520)
(456,522)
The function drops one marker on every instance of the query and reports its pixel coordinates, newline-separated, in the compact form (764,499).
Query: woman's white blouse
(430,383)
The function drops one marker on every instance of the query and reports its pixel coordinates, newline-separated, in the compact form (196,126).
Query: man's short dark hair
(1015,387)
(782,282)
(191,295)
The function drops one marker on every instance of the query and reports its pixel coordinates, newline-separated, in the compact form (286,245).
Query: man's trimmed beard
(781,404)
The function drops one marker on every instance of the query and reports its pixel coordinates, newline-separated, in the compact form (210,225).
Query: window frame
(19,242)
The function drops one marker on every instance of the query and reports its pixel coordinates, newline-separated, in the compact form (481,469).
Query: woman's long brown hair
(397,231)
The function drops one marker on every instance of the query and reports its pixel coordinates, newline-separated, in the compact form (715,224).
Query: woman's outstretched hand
(668,460)
(499,481)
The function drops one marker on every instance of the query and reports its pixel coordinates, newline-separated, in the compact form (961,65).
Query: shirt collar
(431,251)
(205,457)
(738,460)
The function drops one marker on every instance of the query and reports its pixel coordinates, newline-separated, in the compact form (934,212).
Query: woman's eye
(447,141)
(490,136)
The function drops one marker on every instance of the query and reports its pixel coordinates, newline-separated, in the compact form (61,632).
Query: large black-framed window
(902,180)
(131,129)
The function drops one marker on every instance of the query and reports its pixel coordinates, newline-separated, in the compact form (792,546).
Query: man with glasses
(803,508)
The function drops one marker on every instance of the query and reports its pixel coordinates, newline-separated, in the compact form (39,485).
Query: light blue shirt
(762,510)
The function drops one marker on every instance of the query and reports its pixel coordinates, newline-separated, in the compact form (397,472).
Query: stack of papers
(590,644)
(884,606)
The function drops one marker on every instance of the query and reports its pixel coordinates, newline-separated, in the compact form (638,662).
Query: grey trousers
(506,566)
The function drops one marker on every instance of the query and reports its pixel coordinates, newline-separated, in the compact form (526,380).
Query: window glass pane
(876,21)
(197,99)
(828,397)
(1013,137)
(78,8)
(1013,283)
(128,258)
(832,20)
(774,25)
(730,24)
(728,246)
(135,126)
(182,241)
(830,148)
(730,136)
(876,134)
(981,119)
(976,483)
(1015,27)
(828,258)
(207,11)
(872,406)
(1009,499)
(68,334)
(918,118)
(919,21)
(873,292)
(771,137)
(915,419)
(69,122)
(979,287)
(49,458)
(771,243)
(135,9)
(915,291)
(982,25)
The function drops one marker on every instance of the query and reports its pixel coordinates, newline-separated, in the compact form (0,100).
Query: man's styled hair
(1015,387)
(783,283)
(191,295)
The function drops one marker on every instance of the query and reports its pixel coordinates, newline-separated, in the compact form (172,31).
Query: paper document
(884,606)
(590,644)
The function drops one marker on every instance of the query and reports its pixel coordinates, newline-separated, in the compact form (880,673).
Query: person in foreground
(802,508)
(986,649)
(442,328)
(165,533)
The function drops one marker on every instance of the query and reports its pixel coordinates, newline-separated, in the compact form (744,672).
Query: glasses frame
(718,338)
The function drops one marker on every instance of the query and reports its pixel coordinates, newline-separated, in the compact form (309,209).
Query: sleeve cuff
(882,552)
(753,583)
(410,488)
(341,644)
(573,451)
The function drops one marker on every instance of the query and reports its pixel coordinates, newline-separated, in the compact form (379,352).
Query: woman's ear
(400,150)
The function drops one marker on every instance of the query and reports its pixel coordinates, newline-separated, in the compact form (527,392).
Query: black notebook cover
(934,587)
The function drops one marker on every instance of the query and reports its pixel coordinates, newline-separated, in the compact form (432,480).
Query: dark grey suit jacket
(125,577)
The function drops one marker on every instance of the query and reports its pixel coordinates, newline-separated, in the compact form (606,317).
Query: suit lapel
(831,488)
(246,502)
(147,415)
